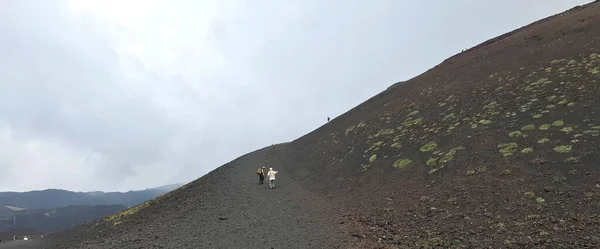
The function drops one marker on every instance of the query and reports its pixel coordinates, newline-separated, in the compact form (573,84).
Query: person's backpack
(258,171)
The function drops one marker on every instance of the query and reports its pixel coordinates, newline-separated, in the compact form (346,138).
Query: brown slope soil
(496,147)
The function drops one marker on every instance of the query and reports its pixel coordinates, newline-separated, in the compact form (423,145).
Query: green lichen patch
(529,127)
(401,163)
(384,132)
(536,116)
(446,158)
(508,149)
(432,161)
(485,121)
(415,112)
(550,106)
(470,172)
(373,157)
(482,169)
(543,140)
(527,150)
(434,170)
(516,134)
(396,145)
(563,148)
(449,116)
(411,122)
(506,172)
(558,123)
(429,146)
(544,127)
(529,195)
(571,104)
(349,129)
(567,129)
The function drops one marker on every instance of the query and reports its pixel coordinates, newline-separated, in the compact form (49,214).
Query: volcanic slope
(226,208)
(496,147)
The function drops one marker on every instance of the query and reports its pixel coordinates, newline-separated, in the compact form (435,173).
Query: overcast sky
(117,95)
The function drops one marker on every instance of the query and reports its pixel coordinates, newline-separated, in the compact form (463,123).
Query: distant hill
(54,198)
(51,210)
(51,220)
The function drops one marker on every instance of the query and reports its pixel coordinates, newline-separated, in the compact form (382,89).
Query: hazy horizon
(127,95)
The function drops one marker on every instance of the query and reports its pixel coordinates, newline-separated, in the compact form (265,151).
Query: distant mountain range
(52,210)
(55,198)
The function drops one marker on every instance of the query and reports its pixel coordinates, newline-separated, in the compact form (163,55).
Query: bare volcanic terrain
(496,147)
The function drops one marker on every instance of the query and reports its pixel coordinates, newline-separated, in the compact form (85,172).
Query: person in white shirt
(271,177)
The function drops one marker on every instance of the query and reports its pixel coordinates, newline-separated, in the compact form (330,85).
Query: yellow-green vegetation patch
(529,127)
(373,157)
(401,163)
(449,116)
(516,134)
(529,195)
(543,140)
(567,129)
(563,148)
(550,106)
(557,61)
(508,148)
(536,116)
(429,146)
(410,122)
(396,145)
(551,98)
(540,200)
(434,170)
(442,104)
(470,172)
(544,127)
(384,132)
(432,161)
(415,112)
(482,169)
(594,70)
(527,150)
(438,152)
(562,102)
(349,129)
(454,150)
(485,121)
(361,124)
(506,172)
(571,104)
(558,123)
(446,158)
(116,218)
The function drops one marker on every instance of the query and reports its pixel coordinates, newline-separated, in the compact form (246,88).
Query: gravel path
(226,209)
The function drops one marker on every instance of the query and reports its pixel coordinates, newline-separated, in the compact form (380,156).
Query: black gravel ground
(225,209)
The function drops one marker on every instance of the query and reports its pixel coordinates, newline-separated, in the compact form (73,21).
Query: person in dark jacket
(261,175)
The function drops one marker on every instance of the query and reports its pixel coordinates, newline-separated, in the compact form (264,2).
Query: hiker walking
(271,176)
(261,175)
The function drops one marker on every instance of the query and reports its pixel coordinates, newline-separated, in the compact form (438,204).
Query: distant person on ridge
(327,119)
(271,176)
(261,175)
